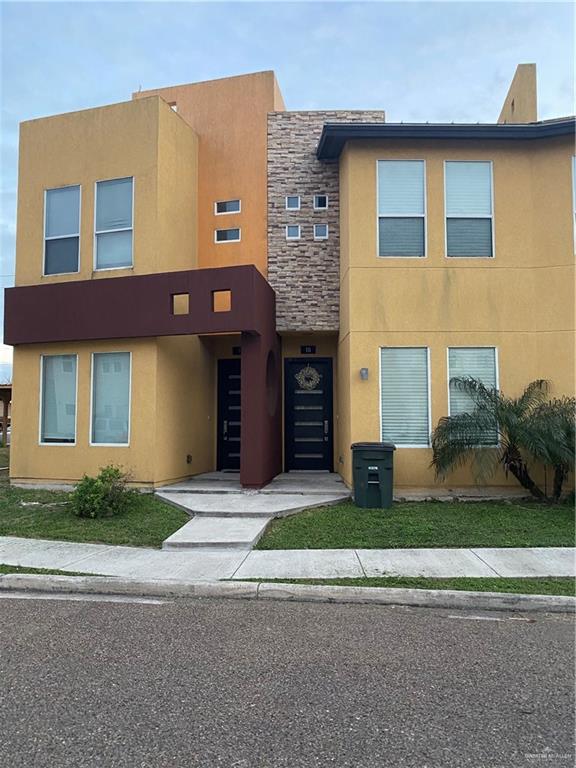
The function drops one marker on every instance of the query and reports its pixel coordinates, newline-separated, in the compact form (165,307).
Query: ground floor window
(111,398)
(478,363)
(405,401)
(58,399)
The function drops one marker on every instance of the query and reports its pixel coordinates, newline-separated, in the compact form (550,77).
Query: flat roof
(335,135)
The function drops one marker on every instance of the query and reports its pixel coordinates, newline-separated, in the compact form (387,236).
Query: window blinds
(469,208)
(58,418)
(404,395)
(476,363)
(110,397)
(401,208)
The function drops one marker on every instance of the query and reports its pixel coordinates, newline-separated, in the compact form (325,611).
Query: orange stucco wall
(230,118)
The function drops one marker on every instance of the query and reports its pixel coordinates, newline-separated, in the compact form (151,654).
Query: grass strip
(525,586)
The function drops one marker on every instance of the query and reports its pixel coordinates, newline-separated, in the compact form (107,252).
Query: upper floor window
(469,229)
(293,203)
(227,235)
(61,230)
(320,202)
(58,399)
(114,204)
(401,208)
(293,232)
(320,231)
(227,206)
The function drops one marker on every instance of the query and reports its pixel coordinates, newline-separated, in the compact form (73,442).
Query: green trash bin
(373,474)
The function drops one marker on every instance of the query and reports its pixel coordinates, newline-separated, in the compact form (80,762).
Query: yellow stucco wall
(184,408)
(144,139)
(147,140)
(521,301)
(30,461)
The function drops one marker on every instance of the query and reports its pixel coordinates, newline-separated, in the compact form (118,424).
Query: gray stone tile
(422,562)
(533,561)
(300,564)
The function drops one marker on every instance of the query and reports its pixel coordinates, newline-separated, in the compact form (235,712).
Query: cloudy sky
(417,60)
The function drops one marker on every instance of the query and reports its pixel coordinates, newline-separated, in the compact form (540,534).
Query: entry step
(247,505)
(229,532)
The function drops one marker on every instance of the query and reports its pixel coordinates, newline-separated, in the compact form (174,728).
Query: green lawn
(547,586)
(4,456)
(47,515)
(425,524)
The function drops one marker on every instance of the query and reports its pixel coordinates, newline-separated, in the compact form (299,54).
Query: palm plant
(507,432)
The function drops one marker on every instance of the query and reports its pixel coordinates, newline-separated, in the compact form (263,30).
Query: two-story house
(205,280)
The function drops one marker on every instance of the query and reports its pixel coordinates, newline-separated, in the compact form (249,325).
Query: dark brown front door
(228,415)
(308,428)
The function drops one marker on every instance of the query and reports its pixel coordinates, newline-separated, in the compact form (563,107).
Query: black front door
(308,414)
(229,414)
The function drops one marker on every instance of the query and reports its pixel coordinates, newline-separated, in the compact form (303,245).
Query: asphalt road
(280,685)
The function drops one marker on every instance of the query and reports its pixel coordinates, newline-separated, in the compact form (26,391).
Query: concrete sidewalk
(213,563)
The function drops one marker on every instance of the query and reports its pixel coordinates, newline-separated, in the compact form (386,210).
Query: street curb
(248,590)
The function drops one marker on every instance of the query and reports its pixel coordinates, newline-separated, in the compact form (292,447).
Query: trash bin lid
(381,446)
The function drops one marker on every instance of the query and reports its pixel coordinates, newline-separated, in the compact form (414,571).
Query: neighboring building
(205,280)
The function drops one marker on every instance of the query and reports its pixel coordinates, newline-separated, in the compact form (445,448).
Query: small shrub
(104,496)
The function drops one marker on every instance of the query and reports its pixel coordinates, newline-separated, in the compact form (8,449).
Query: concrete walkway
(211,563)
(226,515)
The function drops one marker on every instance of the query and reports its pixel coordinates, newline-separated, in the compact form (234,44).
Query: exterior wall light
(364,374)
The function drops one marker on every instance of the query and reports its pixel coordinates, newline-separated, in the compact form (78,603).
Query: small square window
(293,203)
(180,303)
(221,301)
(227,235)
(227,206)
(293,232)
(320,231)
(320,202)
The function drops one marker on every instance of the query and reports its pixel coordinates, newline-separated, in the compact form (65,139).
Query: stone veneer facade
(305,273)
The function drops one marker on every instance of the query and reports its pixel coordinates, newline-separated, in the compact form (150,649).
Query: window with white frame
(401,208)
(404,393)
(293,202)
(320,231)
(469,225)
(320,202)
(114,203)
(231,235)
(227,206)
(472,363)
(58,399)
(110,398)
(293,232)
(61,230)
